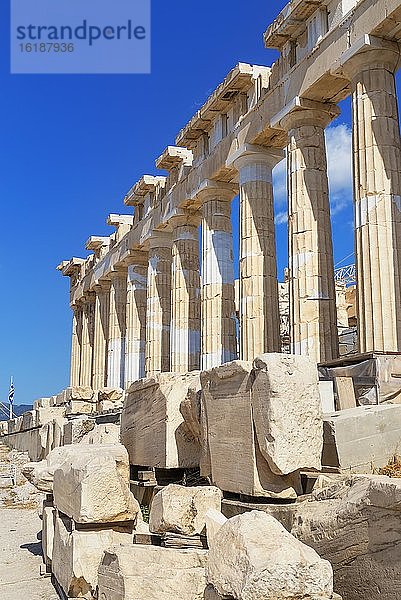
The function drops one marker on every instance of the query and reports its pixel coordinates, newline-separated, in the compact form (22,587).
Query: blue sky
(73,145)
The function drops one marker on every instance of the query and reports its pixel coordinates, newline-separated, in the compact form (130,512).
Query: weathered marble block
(137,572)
(152,427)
(179,509)
(231,454)
(363,439)
(287,412)
(110,398)
(76,428)
(41,474)
(355,523)
(252,557)
(77,555)
(29,420)
(92,486)
(45,414)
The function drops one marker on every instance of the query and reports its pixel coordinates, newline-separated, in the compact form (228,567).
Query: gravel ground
(20,547)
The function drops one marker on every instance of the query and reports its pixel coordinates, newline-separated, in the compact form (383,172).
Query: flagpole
(11,397)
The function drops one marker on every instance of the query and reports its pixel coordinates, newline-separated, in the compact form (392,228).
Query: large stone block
(77,555)
(42,403)
(51,434)
(137,572)
(231,454)
(41,474)
(355,524)
(152,410)
(45,414)
(110,398)
(92,486)
(179,509)
(103,433)
(76,428)
(29,420)
(363,439)
(252,557)
(3,427)
(287,412)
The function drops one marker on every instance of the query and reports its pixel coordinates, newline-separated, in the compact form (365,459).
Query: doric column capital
(249,154)
(184,219)
(368,52)
(302,112)
(215,190)
(160,239)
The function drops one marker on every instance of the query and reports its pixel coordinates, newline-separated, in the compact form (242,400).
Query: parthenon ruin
(144,302)
(267,465)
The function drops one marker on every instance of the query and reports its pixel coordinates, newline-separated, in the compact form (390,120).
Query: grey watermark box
(80,36)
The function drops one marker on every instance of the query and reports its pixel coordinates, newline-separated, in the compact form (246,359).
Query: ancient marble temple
(158,294)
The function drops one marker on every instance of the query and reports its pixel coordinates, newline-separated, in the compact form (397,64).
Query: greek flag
(11,392)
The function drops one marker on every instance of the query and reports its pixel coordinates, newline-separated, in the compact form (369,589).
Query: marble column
(259,303)
(218,320)
(377,196)
(185,295)
(76,345)
(158,304)
(313,317)
(136,318)
(117,329)
(87,339)
(101,335)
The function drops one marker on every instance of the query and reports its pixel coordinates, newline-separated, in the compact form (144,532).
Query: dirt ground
(20,546)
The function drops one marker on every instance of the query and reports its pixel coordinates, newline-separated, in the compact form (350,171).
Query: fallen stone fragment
(41,474)
(231,456)
(137,572)
(153,405)
(252,557)
(92,486)
(287,412)
(362,439)
(77,555)
(179,509)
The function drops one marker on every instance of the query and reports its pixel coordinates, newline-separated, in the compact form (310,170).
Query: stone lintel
(238,80)
(146,185)
(320,112)
(289,22)
(367,50)
(174,156)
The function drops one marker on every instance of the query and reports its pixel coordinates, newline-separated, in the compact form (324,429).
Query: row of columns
(157,315)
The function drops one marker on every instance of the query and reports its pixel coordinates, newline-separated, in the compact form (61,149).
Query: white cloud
(339,163)
(281,218)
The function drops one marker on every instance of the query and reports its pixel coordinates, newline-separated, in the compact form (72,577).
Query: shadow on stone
(34,548)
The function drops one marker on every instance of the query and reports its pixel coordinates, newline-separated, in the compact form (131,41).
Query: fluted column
(87,339)
(158,304)
(136,318)
(259,304)
(313,319)
(219,344)
(185,296)
(117,329)
(76,345)
(101,335)
(377,195)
